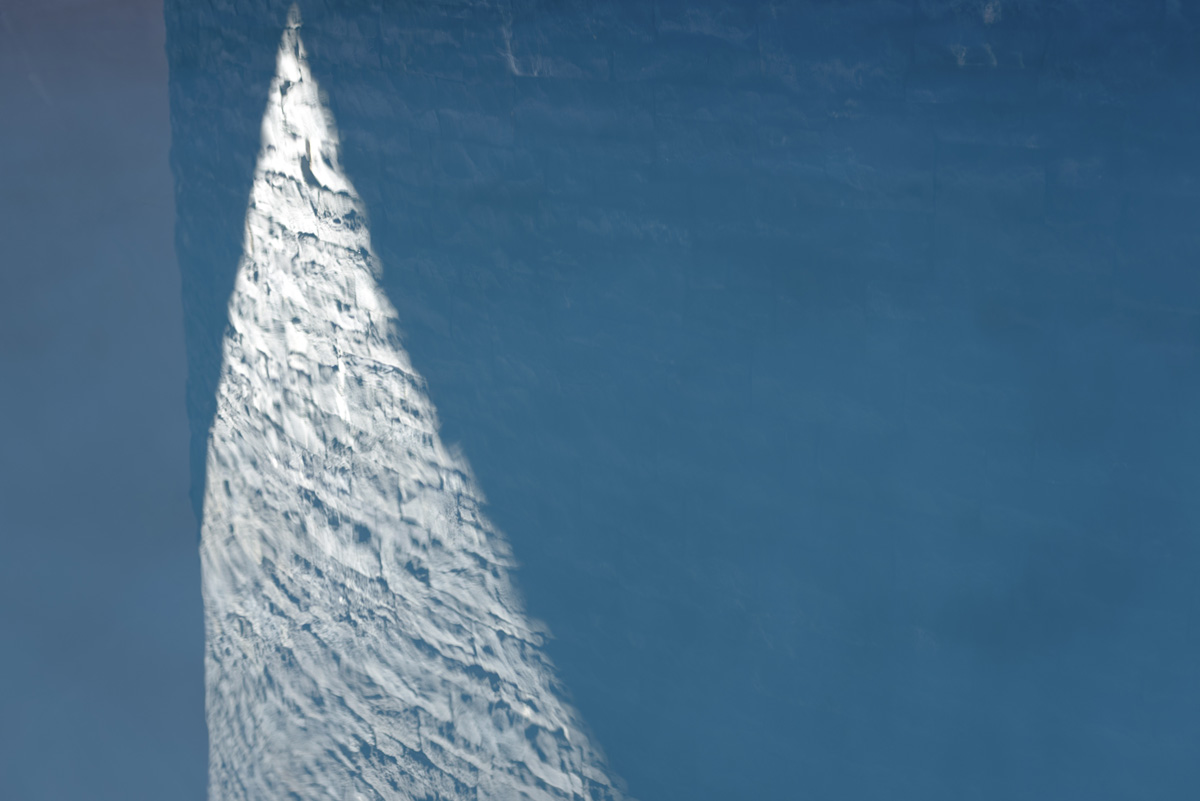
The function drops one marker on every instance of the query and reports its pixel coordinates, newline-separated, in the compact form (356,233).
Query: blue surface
(831,367)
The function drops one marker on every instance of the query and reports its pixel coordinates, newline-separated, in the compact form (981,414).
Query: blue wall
(830,366)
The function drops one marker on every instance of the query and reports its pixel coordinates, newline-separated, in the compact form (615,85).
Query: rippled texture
(364,638)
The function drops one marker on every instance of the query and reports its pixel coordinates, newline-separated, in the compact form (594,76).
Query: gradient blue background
(830,366)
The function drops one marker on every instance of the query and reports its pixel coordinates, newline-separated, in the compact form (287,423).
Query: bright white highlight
(364,640)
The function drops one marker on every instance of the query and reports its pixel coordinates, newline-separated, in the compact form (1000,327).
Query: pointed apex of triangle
(299,136)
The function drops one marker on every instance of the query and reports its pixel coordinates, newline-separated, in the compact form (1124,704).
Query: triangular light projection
(364,639)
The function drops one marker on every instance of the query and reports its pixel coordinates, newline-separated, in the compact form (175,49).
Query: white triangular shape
(363,637)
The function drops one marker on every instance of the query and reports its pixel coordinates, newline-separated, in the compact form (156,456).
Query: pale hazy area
(101,673)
